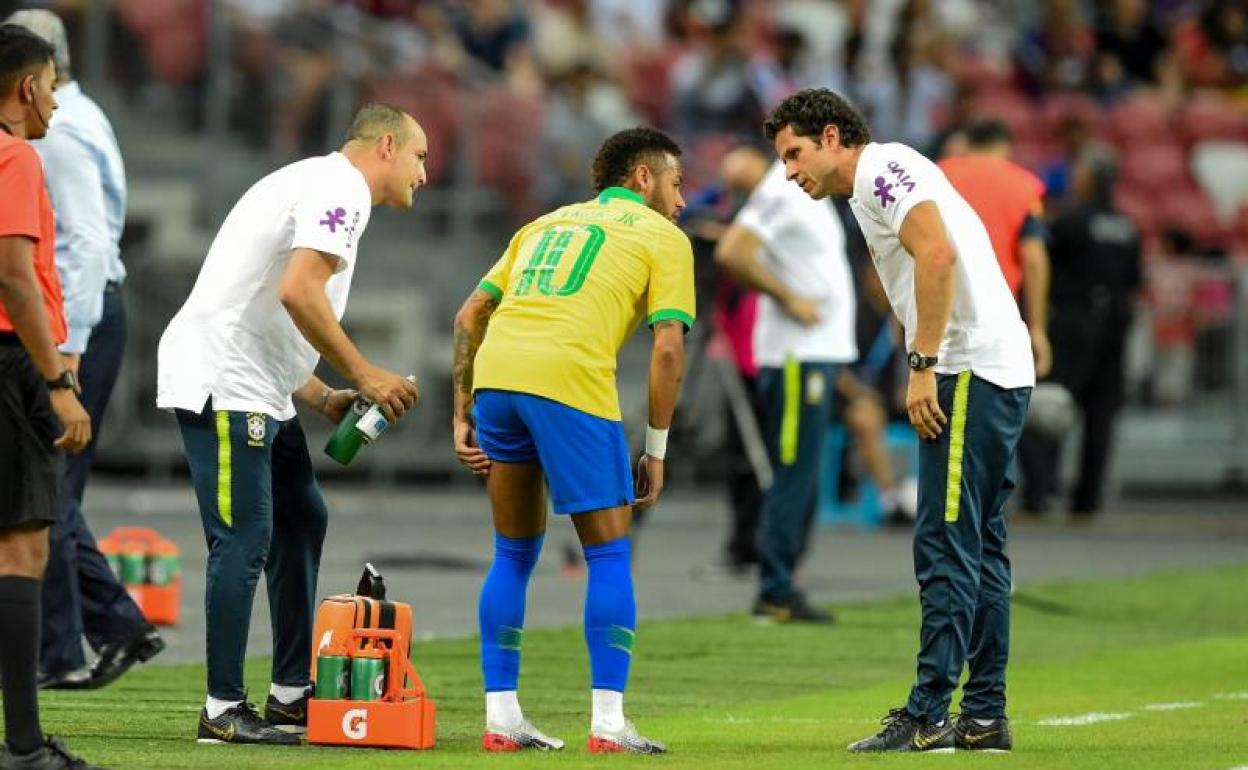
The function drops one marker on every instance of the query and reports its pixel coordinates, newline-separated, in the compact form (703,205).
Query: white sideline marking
(1233,696)
(1176,706)
(730,719)
(1084,719)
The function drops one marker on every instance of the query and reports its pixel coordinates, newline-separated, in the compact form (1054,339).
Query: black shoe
(242,724)
(970,735)
(77,679)
(116,658)
(289,717)
(904,732)
(793,610)
(52,755)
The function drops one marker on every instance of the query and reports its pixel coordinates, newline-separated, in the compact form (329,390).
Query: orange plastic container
(162,596)
(404,718)
(340,615)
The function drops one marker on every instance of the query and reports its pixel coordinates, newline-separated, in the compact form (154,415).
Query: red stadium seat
(984,73)
(1153,168)
(1016,112)
(1060,106)
(1212,117)
(507,126)
(1190,210)
(1141,120)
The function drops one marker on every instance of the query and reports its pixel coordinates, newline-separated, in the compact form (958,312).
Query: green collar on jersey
(620,192)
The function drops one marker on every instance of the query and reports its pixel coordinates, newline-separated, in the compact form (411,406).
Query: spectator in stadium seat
(711,88)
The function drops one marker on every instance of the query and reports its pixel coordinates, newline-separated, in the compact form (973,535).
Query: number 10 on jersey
(551,246)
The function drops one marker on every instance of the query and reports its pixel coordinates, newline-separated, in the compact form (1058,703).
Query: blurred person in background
(87,183)
(39,410)
(712,92)
(1096,256)
(790,249)
(267,305)
(1009,200)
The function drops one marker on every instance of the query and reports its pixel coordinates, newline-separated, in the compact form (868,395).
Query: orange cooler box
(404,717)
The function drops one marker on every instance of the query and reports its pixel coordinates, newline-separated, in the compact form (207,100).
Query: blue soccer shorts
(584,457)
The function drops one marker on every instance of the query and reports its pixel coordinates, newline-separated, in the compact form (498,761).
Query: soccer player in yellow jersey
(536,408)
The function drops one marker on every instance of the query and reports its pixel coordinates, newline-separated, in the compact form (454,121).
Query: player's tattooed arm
(470,324)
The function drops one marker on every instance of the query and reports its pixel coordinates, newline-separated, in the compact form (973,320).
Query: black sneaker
(794,610)
(904,732)
(75,679)
(52,755)
(288,717)
(116,658)
(970,735)
(242,724)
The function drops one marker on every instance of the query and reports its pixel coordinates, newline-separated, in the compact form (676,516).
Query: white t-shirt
(985,333)
(233,340)
(803,246)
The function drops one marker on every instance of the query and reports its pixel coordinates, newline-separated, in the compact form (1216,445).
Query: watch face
(915,360)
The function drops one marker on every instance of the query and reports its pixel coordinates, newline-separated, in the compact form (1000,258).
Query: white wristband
(656,442)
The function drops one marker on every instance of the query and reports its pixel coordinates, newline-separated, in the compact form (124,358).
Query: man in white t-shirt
(266,306)
(791,249)
(970,384)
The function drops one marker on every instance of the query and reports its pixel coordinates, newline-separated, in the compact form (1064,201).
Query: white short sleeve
(758,215)
(328,219)
(897,185)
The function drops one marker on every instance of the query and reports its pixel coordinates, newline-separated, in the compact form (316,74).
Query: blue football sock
(610,613)
(501,609)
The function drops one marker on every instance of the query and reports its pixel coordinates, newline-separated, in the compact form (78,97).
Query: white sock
(608,711)
(216,708)
(502,710)
(287,694)
(983,722)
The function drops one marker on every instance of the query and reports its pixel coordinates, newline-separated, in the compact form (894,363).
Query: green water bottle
(333,676)
(368,675)
(361,425)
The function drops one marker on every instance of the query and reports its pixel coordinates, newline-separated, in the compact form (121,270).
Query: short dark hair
(627,149)
(375,120)
(988,132)
(22,53)
(808,111)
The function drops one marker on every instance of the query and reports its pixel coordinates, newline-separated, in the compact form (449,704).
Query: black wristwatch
(918,362)
(67,381)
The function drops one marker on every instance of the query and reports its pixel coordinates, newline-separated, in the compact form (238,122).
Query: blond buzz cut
(375,120)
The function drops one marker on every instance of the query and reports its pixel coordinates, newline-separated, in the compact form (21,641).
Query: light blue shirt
(87,184)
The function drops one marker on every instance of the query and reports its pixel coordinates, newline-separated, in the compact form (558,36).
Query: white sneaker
(523,736)
(627,740)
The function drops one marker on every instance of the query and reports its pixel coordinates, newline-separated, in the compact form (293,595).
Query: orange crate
(404,718)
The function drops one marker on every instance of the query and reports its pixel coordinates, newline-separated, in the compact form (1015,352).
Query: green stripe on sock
(621,638)
(224,472)
(957,438)
(510,638)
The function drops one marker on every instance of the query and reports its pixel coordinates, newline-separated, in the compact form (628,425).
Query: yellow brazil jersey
(573,285)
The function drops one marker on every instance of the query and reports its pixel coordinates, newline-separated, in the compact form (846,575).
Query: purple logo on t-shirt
(334,218)
(883,191)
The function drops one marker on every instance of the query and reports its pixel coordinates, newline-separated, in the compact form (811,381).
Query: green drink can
(133,567)
(368,677)
(333,675)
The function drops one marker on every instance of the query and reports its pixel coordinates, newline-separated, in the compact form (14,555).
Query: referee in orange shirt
(1009,200)
(39,408)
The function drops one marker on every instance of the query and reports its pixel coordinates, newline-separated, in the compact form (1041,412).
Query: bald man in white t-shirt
(266,307)
(970,383)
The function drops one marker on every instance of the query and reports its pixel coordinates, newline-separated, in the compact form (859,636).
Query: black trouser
(960,558)
(796,404)
(1089,351)
(81,595)
(262,510)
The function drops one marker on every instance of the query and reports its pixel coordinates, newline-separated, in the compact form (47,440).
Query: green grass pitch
(1167,654)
